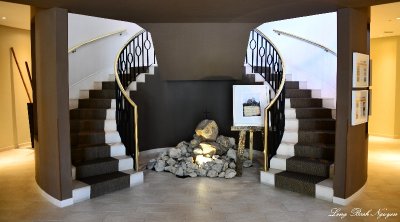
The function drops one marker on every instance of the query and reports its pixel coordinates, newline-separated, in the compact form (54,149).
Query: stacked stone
(207,154)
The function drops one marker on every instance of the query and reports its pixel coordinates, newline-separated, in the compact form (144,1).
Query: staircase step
(94,138)
(297,182)
(316,167)
(85,153)
(312,137)
(96,167)
(321,151)
(86,125)
(93,125)
(303,102)
(95,114)
(306,113)
(102,94)
(317,124)
(298,93)
(292,85)
(107,183)
(108,85)
(97,103)
(87,138)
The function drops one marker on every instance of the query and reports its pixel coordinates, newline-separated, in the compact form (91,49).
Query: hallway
(163,197)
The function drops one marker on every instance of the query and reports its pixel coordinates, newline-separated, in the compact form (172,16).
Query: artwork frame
(249,102)
(361,70)
(359,107)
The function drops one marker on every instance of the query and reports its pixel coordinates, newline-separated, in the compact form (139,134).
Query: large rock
(212,173)
(179,172)
(171,162)
(183,147)
(217,167)
(202,172)
(230,173)
(207,129)
(160,165)
(226,142)
(175,153)
(231,154)
(247,163)
(209,149)
(202,160)
(151,164)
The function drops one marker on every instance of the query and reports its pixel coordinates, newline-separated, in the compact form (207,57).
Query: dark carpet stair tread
(305,102)
(102,94)
(313,112)
(84,153)
(317,124)
(86,125)
(292,85)
(108,85)
(297,182)
(96,167)
(94,103)
(317,150)
(298,93)
(88,113)
(87,138)
(107,183)
(316,136)
(311,166)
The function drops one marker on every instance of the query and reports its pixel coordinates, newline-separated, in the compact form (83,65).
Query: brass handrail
(278,93)
(326,49)
(74,48)
(127,97)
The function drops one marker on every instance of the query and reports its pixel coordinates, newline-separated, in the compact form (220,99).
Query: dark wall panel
(351,153)
(170,110)
(200,51)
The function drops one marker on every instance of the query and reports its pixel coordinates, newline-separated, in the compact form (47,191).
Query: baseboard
(25,145)
(385,136)
(21,145)
(344,202)
(7,148)
(54,201)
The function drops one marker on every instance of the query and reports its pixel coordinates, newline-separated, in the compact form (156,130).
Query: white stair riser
(110,115)
(141,77)
(84,94)
(286,149)
(287,103)
(110,125)
(290,113)
(136,179)
(132,86)
(324,190)
(81,194)
(112,137)
(291,124)
(125,164)
(117,149)
(290,137)
(278,163)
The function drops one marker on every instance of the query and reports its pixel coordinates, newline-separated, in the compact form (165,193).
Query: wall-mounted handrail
(74,48)
(20,74)
(326,49)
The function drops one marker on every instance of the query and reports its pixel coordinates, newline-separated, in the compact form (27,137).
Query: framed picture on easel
(249,102)
(360,70)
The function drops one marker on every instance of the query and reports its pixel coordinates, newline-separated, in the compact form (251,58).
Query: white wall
(304,61)
(95,61)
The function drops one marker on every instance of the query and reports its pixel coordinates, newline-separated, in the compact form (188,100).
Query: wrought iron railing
(264,59)
(134,59)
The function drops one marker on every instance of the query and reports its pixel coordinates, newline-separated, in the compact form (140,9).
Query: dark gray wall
(52,146)
(351,153)
(200,51)
(170,110)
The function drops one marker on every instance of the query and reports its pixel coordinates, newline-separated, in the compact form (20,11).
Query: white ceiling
(383,20)
(17,15)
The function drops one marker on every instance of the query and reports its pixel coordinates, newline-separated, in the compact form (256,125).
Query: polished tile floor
(164,198)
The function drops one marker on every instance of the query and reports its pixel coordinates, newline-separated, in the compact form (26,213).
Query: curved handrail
(278,94)
(127,97)
(74,48)
(326,49)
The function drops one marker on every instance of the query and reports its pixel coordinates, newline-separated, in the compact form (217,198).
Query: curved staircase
(100,163)
(304,159)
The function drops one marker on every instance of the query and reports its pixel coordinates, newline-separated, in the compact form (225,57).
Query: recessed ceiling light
(398,18)
(4,18)
(388,32)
